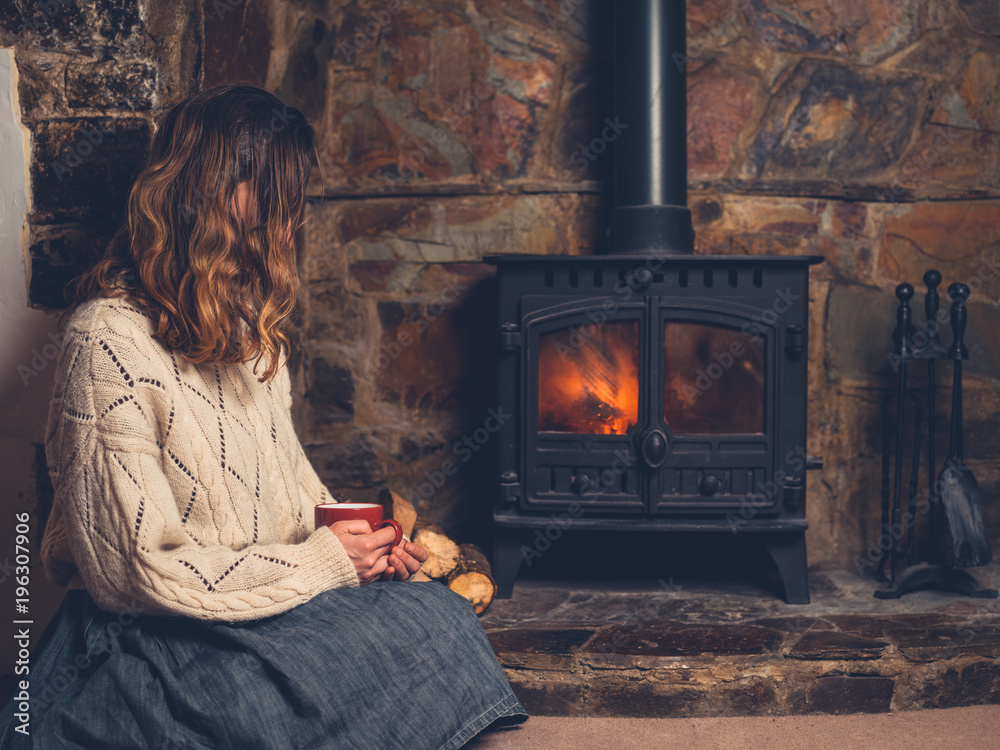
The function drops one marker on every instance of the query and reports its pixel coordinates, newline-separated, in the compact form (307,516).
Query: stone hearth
(582,644)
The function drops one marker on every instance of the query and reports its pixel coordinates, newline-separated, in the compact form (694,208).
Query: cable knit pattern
(180,488)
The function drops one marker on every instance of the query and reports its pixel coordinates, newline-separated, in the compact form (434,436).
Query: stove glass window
(713,380)
(588,378)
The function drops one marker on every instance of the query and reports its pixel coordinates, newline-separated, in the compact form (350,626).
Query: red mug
(329,513)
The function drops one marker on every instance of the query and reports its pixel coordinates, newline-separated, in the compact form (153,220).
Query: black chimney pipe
(650,192)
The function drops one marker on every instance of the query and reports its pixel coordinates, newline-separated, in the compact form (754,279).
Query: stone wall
(867,132)
(94,74)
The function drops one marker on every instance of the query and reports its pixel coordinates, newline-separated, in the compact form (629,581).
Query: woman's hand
(366,549)
(404,561)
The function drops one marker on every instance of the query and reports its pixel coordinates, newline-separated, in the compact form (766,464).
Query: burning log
(473,578)
(442,552)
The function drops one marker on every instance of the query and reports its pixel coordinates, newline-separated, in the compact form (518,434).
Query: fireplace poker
(887,527)
(932,351)
(904,292)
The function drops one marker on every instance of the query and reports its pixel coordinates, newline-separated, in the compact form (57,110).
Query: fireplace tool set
(956,534)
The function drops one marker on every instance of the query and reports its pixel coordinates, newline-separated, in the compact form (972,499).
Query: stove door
(717,373)
(658,406)
(586,376)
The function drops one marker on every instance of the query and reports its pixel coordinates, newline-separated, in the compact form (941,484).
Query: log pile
(462,568)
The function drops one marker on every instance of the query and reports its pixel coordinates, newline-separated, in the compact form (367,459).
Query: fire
(588,380)
(589,383)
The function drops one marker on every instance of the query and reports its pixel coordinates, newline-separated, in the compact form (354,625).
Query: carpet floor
(967,728)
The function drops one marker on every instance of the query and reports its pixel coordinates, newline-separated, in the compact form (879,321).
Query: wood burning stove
(666,391)
(650,386)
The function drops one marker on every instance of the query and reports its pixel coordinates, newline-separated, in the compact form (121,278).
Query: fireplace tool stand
(952,498)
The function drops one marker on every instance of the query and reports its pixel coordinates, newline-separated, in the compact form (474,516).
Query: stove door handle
(654,448)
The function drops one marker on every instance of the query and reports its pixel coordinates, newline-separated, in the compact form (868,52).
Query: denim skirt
(382,666)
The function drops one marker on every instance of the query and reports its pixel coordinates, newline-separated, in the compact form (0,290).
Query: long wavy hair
(219,282)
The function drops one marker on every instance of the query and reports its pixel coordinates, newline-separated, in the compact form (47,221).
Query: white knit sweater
(180,489)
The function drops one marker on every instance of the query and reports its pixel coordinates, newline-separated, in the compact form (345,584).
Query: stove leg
(789,553)
(506,559)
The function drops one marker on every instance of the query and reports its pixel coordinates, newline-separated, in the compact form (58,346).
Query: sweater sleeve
(123,525)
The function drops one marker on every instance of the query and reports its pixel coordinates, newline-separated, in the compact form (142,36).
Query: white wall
(23,405)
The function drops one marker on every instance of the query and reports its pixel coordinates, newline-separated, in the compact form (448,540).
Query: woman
(205,610)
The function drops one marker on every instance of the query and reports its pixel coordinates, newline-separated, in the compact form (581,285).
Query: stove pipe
(650,182)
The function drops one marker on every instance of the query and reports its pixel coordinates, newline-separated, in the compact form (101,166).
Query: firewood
(473,578)
(442,552)
(395,507)
(400,509)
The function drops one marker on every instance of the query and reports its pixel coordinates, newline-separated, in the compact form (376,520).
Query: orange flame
(588,379)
